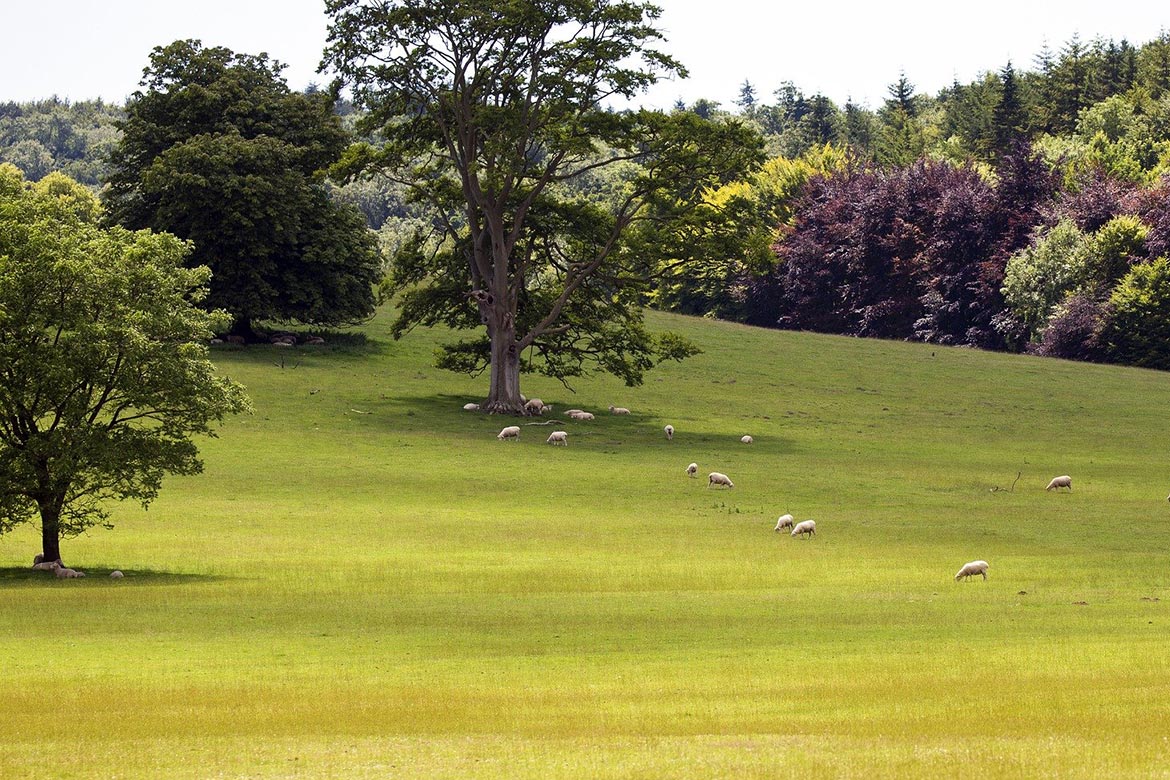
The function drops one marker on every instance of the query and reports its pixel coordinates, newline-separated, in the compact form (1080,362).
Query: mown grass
(365,583)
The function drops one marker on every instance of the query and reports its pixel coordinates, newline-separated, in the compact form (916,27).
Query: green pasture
(365,583)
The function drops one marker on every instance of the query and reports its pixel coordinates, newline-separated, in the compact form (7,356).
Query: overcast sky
(82,49)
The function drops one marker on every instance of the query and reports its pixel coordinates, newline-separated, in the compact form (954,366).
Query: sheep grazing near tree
(669,432)
(715,478)
(511,432)
(1060,482)
(971,569)
(558,437)
(536,406)
(806,528)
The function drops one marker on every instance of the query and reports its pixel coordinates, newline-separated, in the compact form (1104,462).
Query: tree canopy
(217,150)
(490,113)
(104,369)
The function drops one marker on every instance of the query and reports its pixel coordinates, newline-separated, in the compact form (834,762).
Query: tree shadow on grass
(29,577)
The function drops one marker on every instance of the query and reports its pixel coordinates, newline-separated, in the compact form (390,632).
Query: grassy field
(365,583)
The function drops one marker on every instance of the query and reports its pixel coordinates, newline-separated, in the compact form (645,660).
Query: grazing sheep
(618,410)
(669,432)
(535,406)
(807,528)
(1060,482)
(715,478)
(692,470)
(67,574)
(582,416)
(785,521)
(746,440)
(46,565)
(116,575)
(971,569)
(511,432)
(558,437)
(471,407)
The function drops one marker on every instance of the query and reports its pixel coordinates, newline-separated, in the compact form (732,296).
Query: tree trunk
(504,394)
(51,532)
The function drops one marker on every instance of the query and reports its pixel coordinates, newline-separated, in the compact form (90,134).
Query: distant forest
(1027,210)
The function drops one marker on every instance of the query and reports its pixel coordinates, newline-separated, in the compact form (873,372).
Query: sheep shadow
(17,576)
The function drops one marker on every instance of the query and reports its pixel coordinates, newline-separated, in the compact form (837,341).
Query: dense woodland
(1026,210)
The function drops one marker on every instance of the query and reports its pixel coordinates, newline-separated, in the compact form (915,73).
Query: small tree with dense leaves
(104,370)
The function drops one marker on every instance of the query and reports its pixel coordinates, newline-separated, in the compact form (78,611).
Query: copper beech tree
(551,211)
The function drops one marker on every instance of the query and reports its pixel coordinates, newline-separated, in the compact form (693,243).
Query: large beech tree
(104,370)
(494,115)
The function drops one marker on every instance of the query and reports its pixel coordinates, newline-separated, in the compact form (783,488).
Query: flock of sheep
(62,571)
(805,528)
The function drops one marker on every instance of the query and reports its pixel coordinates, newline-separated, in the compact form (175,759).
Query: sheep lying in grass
(692,470)
(67,574)
(971,569)
(511,432)
(116,575)
(582,415)
(669,432)
(38,558)
(571,412)
(715,478)
(471,407)
(1060,482)
(618,410)
(747,440)
(558,437)
(43,565)
(785,521)
(806,528)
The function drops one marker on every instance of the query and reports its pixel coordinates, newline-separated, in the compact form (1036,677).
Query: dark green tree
(217,150)
(747,100)
(105,378)
(492,112)
(1009,119)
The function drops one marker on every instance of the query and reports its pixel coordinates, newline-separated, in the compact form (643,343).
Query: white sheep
(67,574)
(116,575)
(43,565)
(558,437)
(669,432)
(746,440)
(38,558)
(1060,482)
(471,407)
(971,569)
(582,416)
(692,470)
(785,521)
(511,432)
(715,478)
(534,406)
(807,528)
(618,410)
(571,412)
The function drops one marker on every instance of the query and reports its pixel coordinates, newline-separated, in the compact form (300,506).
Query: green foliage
(1136,330)
(56,135)
(1112,248)
(218,151)
(106,376)
(1039,277)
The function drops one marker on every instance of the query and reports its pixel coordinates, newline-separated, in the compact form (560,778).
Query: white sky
(81,49)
